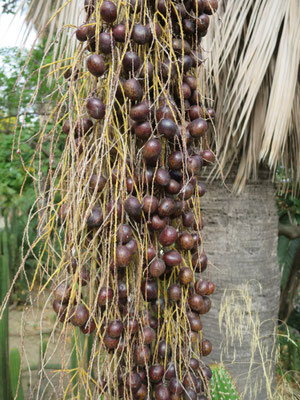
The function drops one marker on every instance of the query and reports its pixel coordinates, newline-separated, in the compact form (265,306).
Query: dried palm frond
(254,60)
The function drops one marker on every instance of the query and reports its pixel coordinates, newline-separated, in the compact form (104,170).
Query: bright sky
(11,33)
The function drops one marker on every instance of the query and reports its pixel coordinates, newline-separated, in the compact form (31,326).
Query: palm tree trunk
(240,239)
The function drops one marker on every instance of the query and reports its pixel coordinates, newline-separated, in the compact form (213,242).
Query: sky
(11,32)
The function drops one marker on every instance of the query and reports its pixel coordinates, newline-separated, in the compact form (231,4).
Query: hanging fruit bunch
(137,129)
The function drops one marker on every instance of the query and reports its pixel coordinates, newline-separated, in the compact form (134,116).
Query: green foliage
(4,285)
(289,344)
(221,384)
(14,369)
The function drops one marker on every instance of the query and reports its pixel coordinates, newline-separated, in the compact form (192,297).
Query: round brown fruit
(157,268)
(162,177)
(162,393)
(166,207)
(106,42)
(97,182)
(96,65)
(62,293)
(196,302)
(123,256)
(149,290)
(132,246)
(202,23)
(142,355)
(198,127)
(170,371)
(167,128)
(148,335)
(174,292)
(108,11)
(89,327)
(201,287)
(151,151)
(190,394)
(95,108)
(95,218)
(186,275)
(173,187)
(186,241)
(133,381)
(133,89)
(144,130)
(81,33)
(115,329)
(131,61)
(172,258)
(79,315)
(150,204)
(83,126)
(105,296)
(199,261)
(194,164)
(191,81)
(140,112)
(175,160)
(166,112)
(206,347)
(141,34)
(141,393)
(168,236)
(156,373)
(124,234)
(66,127)
(133,207)
(157,223)
(210,6)
(208,156)
(164,349)
(188,219)
(175,386)
(119,32)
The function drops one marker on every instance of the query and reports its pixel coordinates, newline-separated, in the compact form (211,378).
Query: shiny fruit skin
(95,108)
(162,177)
(149,290)
(142,355)
(148,335)
(206,347)
(108,11)
(62,293)
(210,6)
(151,151)
(196,302)
(150,204)
(97,182)
(123,256)
(139,112)
(79,315)
(157,268)
(167,128)
(162,393)
(119,33)
(144,130)
(186,241)
(95,218)
(198,127)
(131,61)
(156,373)
(106,42)
(141,34)
(186,276)
(172,258)
(133,89)
(124,233)
(174,292)
(89,327)
(105,296)
(211,288)
(133,207)
(166,207)
(157,223)
(173,187)
(168,236)
(133,381)
(175,160)
(81,33)
(96,65)
(166,112)
(196,112)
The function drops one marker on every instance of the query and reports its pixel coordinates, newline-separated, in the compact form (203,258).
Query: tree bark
(240,240)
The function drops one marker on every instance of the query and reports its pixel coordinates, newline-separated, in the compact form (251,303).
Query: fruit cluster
(140,143)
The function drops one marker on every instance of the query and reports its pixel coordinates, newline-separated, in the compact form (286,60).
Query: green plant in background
(221,385)
(14,368)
